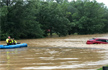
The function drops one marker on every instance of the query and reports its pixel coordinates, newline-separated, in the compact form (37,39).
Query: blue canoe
(13,46)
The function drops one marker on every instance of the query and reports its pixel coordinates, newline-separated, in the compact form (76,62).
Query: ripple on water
(55,58)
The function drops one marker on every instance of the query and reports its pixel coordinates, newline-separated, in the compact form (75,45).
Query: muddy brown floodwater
(58,53)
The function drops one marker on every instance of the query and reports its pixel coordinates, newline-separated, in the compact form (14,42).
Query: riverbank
(102,68)
(75,41)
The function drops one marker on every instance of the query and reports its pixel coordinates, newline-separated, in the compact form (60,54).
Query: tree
(51,16)
(89,16)
(20,21)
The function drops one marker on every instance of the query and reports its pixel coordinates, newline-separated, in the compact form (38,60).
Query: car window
(106,40)
(102,40)
(98,40)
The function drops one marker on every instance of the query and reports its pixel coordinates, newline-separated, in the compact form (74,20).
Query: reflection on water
(6,56)
(47,58)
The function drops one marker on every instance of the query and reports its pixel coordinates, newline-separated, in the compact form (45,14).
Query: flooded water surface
(65,53)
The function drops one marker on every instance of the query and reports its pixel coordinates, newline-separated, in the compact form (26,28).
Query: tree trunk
(50,32)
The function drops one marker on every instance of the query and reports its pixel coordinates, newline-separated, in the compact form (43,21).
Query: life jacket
(14,41)
(9,40)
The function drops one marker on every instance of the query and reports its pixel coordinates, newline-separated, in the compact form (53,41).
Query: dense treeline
(37,18)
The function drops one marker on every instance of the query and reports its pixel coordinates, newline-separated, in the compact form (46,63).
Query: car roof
(100,38)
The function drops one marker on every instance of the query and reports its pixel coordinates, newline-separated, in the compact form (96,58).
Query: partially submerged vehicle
(97,41)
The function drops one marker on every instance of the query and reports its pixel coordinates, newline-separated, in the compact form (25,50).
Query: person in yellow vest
(9,41)
(14,41)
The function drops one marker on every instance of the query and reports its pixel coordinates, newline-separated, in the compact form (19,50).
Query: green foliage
(52,17)
(20,21)
(102,68)
(88,17)
(33,18)
(3,11)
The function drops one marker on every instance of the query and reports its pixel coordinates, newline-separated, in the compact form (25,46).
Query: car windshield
(106,40)
(92,39)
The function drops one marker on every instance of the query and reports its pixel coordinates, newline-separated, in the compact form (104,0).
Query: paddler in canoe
(14,41)
(10,41)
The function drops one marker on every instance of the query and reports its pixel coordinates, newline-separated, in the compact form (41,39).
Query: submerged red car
(97,41)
